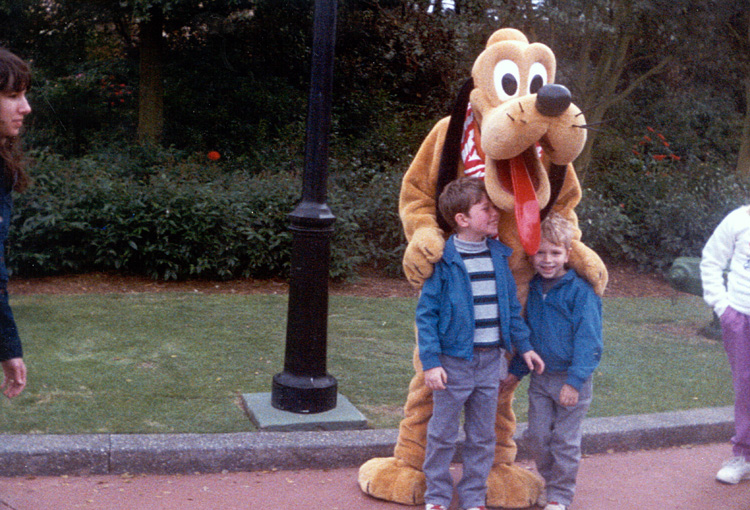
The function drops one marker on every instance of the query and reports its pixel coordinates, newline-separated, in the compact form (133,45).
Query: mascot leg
(509,485)
(400,478)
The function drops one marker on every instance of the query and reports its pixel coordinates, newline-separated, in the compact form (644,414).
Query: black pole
(305,386)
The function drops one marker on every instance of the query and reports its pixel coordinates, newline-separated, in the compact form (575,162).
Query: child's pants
(472,386)
(554,433)
(735,327)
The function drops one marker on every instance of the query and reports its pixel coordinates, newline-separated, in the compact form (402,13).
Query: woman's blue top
(10,342)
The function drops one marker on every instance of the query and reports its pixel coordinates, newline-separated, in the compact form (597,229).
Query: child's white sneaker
(553,505)
(431,506)
(734,470)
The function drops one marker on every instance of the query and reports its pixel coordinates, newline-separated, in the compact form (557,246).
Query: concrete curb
(54,455)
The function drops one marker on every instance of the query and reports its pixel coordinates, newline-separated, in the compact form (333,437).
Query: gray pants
(472,387)
(554,433)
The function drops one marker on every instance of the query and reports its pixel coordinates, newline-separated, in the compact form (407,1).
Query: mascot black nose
(552,100)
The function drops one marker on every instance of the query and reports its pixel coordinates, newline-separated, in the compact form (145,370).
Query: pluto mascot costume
(512,126)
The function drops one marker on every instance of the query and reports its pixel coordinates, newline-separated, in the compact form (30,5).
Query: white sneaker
(554,506)
(431,506)
(734,470)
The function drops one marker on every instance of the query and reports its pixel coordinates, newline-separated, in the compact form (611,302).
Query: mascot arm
(418,209)
(582,258)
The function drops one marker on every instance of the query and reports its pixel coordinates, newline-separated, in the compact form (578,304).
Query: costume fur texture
(506,98)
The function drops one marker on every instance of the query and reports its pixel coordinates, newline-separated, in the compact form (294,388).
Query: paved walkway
(639,462)
(664,479)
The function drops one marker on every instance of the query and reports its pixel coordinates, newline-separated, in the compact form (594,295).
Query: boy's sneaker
(734,470)
(554,505)
(477,508)
(430,506)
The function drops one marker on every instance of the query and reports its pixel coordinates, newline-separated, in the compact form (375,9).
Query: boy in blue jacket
(468,315)
(565,318)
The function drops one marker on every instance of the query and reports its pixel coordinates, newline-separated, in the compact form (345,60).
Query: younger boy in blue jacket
(564,315)
(467,316)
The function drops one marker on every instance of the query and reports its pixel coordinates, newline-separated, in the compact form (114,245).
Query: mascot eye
(537,77)
(506,79)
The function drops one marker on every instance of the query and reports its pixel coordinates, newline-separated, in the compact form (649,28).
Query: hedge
(177,220)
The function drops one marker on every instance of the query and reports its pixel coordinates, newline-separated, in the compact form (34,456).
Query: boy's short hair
(459,196)
(557,230)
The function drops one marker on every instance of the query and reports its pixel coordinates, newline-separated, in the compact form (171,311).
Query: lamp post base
(299,394)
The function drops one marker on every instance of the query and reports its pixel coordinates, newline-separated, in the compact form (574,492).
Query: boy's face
(550,260)
(480,221)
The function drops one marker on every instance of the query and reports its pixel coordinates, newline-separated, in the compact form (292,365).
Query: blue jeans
(472,387)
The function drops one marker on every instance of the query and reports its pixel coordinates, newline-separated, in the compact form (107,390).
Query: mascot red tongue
(526,206)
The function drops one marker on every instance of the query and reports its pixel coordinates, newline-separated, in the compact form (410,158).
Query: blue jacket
(6,211)
(566,328)
(445,311)
(10,343)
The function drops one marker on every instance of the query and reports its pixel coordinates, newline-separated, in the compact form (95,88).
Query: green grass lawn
(165,362)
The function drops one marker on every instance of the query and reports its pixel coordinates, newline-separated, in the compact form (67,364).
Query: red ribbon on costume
(471,150)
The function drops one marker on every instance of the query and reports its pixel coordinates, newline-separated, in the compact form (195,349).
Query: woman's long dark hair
(15,77)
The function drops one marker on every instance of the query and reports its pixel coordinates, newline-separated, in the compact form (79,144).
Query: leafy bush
(179,217)
(654,207)
(172,215)
(605,227)
(369,209)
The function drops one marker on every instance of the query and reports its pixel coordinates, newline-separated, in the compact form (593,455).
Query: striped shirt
(476,257)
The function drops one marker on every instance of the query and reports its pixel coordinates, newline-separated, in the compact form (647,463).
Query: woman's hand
(14,377)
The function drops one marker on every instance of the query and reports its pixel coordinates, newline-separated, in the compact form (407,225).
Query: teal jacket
(445,311)
(566,328)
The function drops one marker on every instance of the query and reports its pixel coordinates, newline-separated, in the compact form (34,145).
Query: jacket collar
(450,253)
(536,281)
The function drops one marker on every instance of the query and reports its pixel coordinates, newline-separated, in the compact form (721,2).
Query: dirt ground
(624,281)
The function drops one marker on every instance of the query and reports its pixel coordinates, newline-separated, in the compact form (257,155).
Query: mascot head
(528,129)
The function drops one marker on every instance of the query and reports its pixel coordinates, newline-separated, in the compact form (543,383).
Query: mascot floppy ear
(448,168)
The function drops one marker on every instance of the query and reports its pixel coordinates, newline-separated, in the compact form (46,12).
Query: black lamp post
(304,386)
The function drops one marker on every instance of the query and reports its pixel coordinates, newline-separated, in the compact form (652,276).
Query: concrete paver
(662,479)
(641,462)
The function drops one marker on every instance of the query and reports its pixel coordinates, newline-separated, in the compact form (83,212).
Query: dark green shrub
(179,217)
(654,207)
(195,229)
(605,227)
(369,210)
(169,215)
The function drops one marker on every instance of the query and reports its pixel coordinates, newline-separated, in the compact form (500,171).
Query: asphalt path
(673,478)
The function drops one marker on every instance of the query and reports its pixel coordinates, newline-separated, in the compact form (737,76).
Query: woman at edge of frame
(15,79)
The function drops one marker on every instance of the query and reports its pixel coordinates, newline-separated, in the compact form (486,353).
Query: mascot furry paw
(516,129)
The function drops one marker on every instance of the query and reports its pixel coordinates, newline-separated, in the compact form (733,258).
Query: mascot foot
(510,486)
(392,479)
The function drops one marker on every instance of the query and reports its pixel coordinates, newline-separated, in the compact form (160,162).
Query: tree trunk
(151,84)
(600,93)
(743,158)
